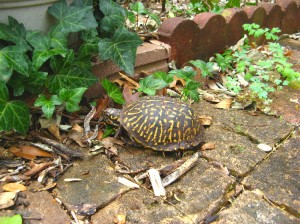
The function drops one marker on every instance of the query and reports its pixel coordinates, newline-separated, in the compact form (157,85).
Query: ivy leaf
(48,105)
(72,98)
(16,219)
(138,7)
(36,82)
(3,92)
(59,40)
(90,45)
(59,63)
(149,85)
(14,115)
(13,57)
(113,91)
(42,48)
(70,78)
(114,16)
(121,49)
(73,18)
(167,77)
(14,32)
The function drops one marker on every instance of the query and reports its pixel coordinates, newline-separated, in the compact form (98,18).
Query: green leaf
(72,98)
(121,49)
(16,219)
(13,57)
(156,18)
(61,62)
(149,85)
(73,18)
(114,17)
(138,7)
(3,92)
(70,78)
(35,83)
(202,66)
(14,115)
(113,91)
(48,105)
(168,78)
(186,73)
(14,32)
(109,130)
(42,48)
(59,39)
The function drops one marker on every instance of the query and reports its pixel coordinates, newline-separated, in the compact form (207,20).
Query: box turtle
(159,123)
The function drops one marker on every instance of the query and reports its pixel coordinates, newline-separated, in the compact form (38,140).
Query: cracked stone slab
(200,191)
(98,185)
(251,208)
(234,151)
(141,158)
(279,177)
(259,129)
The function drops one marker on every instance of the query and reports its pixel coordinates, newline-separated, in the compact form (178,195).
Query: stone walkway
(260,187)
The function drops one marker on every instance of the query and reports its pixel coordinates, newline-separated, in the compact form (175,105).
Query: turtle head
(111,116)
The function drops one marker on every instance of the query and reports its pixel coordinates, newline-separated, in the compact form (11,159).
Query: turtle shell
(161,123)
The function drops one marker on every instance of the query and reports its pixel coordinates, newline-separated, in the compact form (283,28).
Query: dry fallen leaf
(211,98)
(128,96)
(14,187)
(120,219)
(208,146)
(7,199)
(205,120)
(76,134)
(224,104)
(28,152)
(101,105)
(54,130)
(175,80)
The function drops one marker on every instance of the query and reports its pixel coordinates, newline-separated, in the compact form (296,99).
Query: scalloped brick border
(210,33)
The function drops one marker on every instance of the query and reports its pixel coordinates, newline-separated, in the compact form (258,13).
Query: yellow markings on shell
(160,113)
(161,131)
(149,136)
(137,120)
(155,133)
(186,134)
(154,123)
(143,125)
(170,130)
(133,113)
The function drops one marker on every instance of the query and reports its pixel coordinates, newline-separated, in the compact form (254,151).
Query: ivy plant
(43,64)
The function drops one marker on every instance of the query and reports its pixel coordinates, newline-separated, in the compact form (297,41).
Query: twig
(60,147)
(129,80)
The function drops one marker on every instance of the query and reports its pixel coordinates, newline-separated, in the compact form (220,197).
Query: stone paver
(279,177)
(42,208)
(259,129)
(200,191)
(234,151)
(98,185)
(251,208)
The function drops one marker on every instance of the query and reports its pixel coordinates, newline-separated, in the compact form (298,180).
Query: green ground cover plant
(44,65)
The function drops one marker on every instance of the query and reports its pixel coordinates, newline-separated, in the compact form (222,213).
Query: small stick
(129,80)
(180,170)
(60,147)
